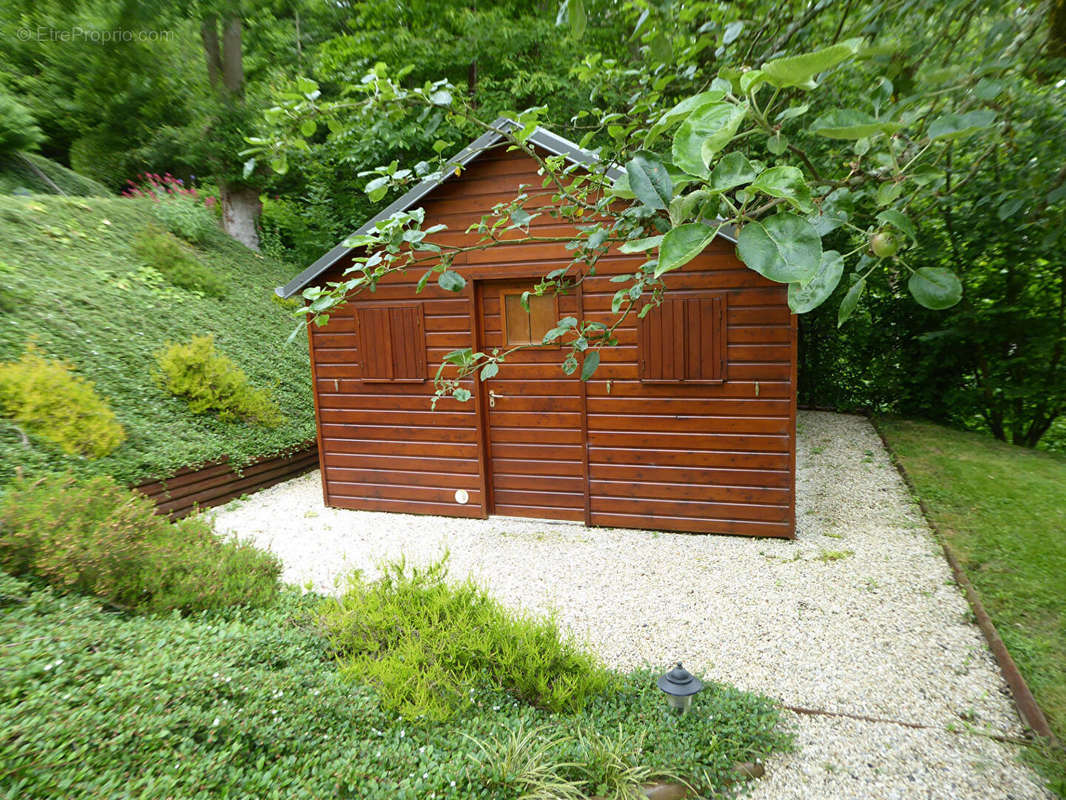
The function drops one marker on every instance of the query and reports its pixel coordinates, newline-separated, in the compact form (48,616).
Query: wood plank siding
(697,436)
(217,482)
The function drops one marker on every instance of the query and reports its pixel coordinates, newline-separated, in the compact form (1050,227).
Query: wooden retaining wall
(217,482)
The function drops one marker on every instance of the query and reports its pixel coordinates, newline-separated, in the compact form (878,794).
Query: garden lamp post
(679,685)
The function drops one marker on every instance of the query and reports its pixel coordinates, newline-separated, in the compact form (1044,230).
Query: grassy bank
(1003,510)
(74,286)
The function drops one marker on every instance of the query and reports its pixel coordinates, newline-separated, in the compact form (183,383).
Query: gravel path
(858,615)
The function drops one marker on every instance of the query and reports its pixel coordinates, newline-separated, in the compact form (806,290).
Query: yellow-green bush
(212,382)
(426,645)
(51,401)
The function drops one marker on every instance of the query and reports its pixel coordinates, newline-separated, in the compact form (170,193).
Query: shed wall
(716,458)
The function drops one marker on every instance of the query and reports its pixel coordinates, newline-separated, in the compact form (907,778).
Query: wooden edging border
(1028,709)
(216,482)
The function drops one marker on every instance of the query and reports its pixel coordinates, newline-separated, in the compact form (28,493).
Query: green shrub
(54,403)
(212,382)
(163,252)
(100,156)
(18,130)
(186,216)
(425,645)
(100,538)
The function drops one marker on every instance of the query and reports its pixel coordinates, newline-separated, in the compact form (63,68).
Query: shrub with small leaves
(56,404)
(176,205)
(425,643)
(163,252)
(100,538)
(212,382)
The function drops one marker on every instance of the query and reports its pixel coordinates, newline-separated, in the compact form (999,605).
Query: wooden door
(534,413)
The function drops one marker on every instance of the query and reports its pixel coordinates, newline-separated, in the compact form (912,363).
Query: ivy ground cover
(243,703)
(74,286)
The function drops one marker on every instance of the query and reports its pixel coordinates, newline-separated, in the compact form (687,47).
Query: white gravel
(859,614)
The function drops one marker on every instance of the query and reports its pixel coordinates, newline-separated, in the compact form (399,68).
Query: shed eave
(541,137)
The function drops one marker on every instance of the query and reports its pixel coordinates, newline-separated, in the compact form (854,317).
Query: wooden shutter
(684,341)
(392,343)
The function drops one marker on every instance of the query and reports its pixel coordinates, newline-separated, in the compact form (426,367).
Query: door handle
(492,398)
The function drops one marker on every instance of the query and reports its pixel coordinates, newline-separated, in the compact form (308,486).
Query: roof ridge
(541,137)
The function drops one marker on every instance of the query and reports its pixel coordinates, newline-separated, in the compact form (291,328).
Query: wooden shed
(688,425)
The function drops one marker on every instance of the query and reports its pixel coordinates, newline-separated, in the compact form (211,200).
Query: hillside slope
(71,284)
(28,172)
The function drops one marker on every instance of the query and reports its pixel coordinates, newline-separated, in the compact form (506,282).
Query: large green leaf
(451,281)
(640,245)
(954,126)
(785,248)
(377,188)
(850,301)
(703,133)
(732,170)
(849,123)
(800,70)
(807,297)
(591,363)
(578,18)
(898,220)
(649,180)
(935,287)
(787,183)
(680,111)
(682,244)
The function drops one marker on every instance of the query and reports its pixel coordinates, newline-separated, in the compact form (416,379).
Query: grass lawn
(1003,511)
(72,283)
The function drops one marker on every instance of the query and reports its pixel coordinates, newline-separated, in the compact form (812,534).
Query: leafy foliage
(163,252)
(178,207)
(18,131)
(111,324)
(58,405)
(102,539)
(249,703)
(426,644)
(212,382)
(742,150)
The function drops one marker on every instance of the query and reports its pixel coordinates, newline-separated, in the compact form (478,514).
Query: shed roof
(541,137)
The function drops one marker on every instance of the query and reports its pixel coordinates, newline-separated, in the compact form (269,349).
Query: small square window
(527,327)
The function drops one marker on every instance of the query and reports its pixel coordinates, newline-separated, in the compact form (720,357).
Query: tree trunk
(225,71)
(212,52)
(240,210)
(232,63)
